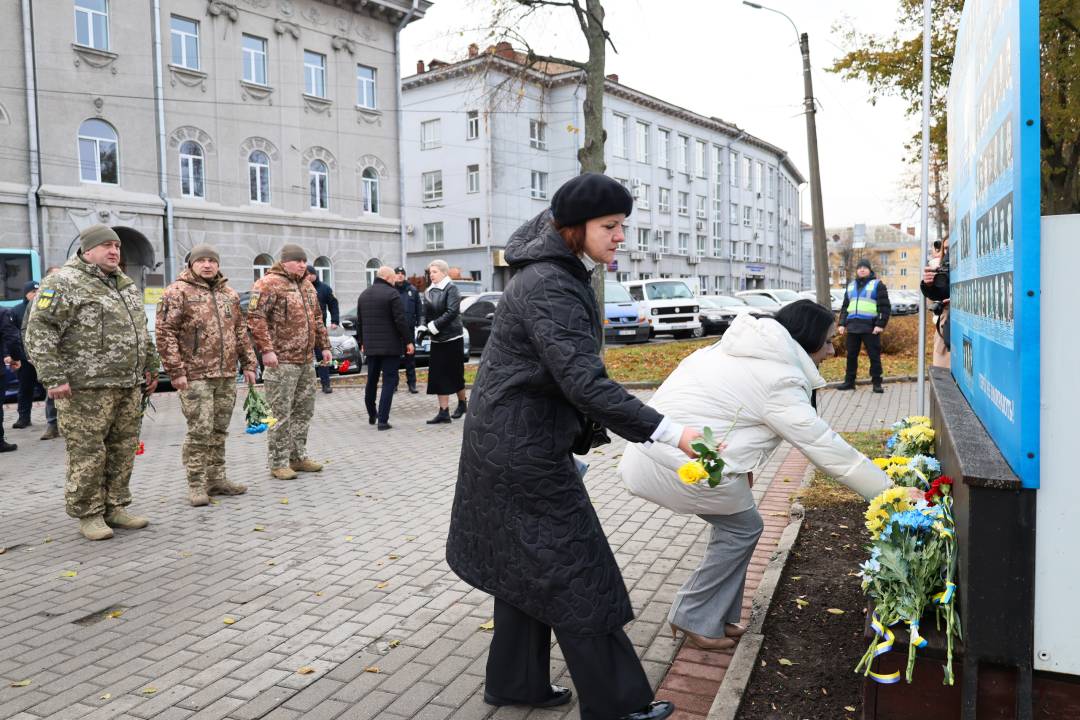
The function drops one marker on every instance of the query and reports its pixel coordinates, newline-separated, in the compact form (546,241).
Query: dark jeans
(387,366)
(28,383)
(605,669)
(323,371)
(852,341)
(409,362)
(3,394)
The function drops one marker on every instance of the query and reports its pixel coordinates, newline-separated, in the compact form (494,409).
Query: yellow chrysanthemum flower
(692,472)
(270,421)
(918,420)
(883,506)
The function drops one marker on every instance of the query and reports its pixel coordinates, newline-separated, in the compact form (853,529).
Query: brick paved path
(343,572)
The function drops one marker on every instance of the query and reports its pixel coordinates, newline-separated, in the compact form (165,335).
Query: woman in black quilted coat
(522,527)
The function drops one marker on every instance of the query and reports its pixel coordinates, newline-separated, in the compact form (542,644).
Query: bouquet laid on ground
(912,560)
(259,417)
(708,465)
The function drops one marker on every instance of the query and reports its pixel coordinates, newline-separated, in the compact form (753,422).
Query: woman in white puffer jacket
(759,381)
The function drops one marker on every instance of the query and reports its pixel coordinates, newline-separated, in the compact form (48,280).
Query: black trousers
(409,363)
(322,371)
(607,674)
(852,341)
(387,366)
(28,383)
(3,394)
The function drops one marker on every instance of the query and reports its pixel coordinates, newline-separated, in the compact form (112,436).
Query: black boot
(412,388)
(877,386)
(7,447)
(656,710)
(442,417)
(461,409)
(21,423)
(847,385)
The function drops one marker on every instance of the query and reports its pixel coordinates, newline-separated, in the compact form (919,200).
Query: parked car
(902,304)
(780,296)
(669,306)
(477,314)
(837,297)
(624,320)
(760,302)
(719,311)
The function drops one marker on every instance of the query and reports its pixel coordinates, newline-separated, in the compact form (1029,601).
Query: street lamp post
(821,253)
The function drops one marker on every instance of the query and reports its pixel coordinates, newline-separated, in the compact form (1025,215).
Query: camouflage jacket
(284,317)
(88,329)
(200,329)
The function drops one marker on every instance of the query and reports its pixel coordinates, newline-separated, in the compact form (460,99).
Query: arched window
(320,184)
(98,157)
(322,269)
(370,181)
(191,170)
(263,262)
(259,176)
(370,269)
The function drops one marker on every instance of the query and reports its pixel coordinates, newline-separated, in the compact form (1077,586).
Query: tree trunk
(591,154)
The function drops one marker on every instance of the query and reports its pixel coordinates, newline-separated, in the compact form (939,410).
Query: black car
(477,313)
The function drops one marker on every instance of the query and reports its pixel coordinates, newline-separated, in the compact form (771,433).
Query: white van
(669,305)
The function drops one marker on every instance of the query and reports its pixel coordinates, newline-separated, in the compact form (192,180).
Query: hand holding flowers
(257,411)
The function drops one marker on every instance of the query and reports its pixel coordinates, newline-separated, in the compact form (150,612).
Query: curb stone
(729,697)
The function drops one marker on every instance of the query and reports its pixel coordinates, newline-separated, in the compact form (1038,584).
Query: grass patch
(823,491)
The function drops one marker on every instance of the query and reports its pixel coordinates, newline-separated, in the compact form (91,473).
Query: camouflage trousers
(101,431)
(290,392)
(208,407)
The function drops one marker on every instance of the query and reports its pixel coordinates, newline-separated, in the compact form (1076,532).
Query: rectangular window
(718,159)
(733,167)
(703,283)
(539,185)
(663,145)
(433,236)
(903,272)
(772,220)
(699,158)
(760,218)
(314,74)
(622,277)
(663,204)
(538,134)
(474,231)
(472,124)
(642,142)
(684,154)
(772,182)
(663,239)
(432,186)
(643,193)
(254,60)
(717,246)
(185,42)
(259,178)
(365,87)
(643,239)
(319,185)
(92,23)
(702,208)
(747,216)
(718,282)
(191,171)
(684,203)
(702,245)
(747,173)
(733,248)
(429,134)
(746,251)
(733,213)
(618,147)
(472,178)
(684,243)
(759,184)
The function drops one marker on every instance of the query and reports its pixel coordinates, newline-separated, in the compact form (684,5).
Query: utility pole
(821,250)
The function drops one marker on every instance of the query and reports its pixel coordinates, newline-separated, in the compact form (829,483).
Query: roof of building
(503,57)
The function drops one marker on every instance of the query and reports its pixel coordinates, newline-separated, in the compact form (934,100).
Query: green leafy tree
(1059,48)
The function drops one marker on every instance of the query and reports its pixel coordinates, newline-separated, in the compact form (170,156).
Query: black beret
(589,196)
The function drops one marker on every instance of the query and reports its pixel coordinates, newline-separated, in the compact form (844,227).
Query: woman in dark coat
(446,365)
(522,527)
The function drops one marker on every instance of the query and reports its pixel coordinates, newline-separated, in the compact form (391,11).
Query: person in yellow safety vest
(863,316)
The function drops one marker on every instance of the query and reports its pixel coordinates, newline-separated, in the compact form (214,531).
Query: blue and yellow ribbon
(883,632)
(916,639)
(945,596)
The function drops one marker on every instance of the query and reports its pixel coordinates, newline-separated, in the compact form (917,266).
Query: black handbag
(592,435)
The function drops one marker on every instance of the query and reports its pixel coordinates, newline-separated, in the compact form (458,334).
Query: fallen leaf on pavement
(68,574)
(381,585)
(410,538)
(306,670)
(148,690)
(284,501)
(185,554)
(116,613)
(106,696)
(489,625)
(801,603)
(229,621)
(271,562)
(785,662)
(394,643)
(258,528)
(214,502)
(21,683)
(348,538)
(372,669)
(835,611)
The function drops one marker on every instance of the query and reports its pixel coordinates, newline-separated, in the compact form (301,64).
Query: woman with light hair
(446,365)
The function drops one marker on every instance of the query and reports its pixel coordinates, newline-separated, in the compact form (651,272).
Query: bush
(901,336)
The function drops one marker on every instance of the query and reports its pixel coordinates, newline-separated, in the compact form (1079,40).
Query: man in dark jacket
(28,380)
(863,316)
(11,354)
(327,301)
(382,331)
(414,316)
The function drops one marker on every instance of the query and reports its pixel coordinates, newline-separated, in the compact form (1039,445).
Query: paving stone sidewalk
(342,572)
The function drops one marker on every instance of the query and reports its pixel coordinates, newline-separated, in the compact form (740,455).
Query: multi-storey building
(488,140)
(893,252)
(243,123)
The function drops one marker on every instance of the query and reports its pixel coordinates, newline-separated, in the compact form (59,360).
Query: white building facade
(256,124)
(486,143)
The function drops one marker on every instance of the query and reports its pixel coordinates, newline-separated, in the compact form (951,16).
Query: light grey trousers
(713,594)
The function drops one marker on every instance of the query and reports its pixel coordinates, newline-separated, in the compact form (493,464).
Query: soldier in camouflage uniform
(201,336)
(87,335)
(287,326)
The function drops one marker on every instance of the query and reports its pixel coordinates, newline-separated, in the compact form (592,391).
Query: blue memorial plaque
(994,167)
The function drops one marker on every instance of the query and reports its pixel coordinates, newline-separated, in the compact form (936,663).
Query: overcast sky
(719,57)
